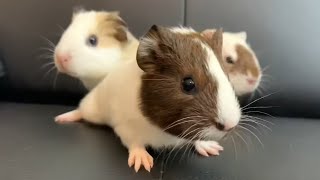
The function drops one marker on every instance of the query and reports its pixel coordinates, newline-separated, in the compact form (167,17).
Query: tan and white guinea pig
(239,61)
(92,44)
(174,93)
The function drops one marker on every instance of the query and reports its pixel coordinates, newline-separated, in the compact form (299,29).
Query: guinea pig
(239,61)
(175,93)
(92,44)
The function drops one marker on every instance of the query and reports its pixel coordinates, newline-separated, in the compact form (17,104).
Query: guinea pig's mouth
(63,69)
(213,133)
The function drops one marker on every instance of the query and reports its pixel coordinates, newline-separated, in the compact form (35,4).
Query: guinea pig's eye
(92,40)
(188,85)
(229,60)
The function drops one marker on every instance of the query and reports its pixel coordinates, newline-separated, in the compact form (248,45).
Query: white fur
(182,30)
(227,104)
(89,64)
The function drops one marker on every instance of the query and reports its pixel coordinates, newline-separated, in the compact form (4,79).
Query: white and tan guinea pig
(174,93)
(92,44)
(239,61)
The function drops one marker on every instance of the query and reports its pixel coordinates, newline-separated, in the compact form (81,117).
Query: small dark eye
(229,60)
(92,40)
(188,85)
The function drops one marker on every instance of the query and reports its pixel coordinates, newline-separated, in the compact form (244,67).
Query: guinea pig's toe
(138,157)
(71,116)
(207,148)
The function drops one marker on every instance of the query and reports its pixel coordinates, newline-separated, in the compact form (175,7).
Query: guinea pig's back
(119,92)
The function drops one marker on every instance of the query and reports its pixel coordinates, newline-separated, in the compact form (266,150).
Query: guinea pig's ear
(148,48)
(217,43)
(208,33)
(78,9)
(121,34)
(242,35)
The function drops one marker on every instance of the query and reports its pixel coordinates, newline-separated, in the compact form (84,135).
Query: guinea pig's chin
(67,71)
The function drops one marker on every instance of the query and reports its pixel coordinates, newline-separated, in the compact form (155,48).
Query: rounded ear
(242,35)
(217,43)
(78,9)
(147,49)
(121,34)
(208,33)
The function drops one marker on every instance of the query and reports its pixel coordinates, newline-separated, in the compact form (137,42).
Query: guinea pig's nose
(63,58)
(220,126)
(224,127)
(251,81)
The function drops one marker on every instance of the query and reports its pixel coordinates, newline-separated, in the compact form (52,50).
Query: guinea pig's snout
(224,127)
(63,60)
(251,81)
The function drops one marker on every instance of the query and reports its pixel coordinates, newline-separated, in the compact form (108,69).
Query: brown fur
(245,62)
(173,57)
(110,29)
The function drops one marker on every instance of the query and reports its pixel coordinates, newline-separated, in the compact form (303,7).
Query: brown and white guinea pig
(174,93)
(239,61)
(92,44)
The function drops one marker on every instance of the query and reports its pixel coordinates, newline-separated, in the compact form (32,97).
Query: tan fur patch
(246,62)
(111,30)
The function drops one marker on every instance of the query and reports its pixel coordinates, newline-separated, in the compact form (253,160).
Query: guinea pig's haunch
(93,43)
(239,61)
(174,93)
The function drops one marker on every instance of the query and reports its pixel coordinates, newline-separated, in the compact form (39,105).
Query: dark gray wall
(285,35)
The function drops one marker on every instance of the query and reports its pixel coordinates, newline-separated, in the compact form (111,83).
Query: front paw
(140,156)
(207,148)
(71,116)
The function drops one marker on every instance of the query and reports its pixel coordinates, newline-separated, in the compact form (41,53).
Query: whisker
(259,107)
(266,75)
(259,119)
(260,112)
(47,73)
(258,123)
(265,68)
(55,80)
(245,142)
(46,65)
(61,28)
(189,144)
(181,121)
(260,93)
(251,126)
(259,99)
(47,49)
(176,146)
(248,130)
(235,147)
(46,56)
(51,44)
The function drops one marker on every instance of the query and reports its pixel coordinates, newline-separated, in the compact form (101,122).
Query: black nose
(220,126)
